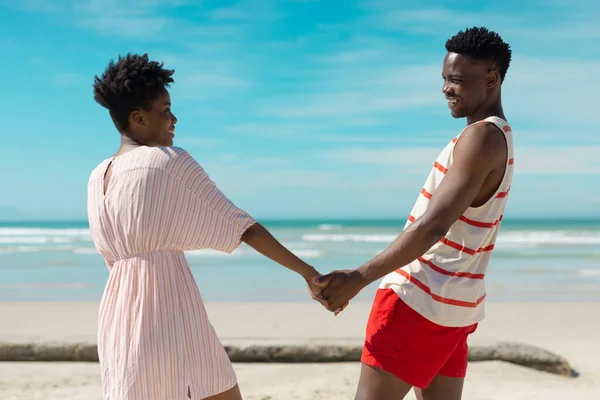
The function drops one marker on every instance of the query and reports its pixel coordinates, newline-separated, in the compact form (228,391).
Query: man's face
(156,126)
(466,84)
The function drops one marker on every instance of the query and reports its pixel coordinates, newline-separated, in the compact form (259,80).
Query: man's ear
(493,79)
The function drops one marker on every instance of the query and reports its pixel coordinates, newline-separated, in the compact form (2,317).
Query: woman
(147,204)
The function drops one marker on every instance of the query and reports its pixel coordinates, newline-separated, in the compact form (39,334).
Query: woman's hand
(316,284)
(315,289)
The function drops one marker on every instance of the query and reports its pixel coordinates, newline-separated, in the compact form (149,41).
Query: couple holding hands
(151,201)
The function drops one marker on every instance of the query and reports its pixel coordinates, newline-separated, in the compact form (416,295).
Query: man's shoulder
(484,136)
(482,144)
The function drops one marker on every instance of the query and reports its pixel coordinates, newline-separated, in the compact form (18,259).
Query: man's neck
(495,110)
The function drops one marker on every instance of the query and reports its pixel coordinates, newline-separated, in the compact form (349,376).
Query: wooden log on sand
(516,353)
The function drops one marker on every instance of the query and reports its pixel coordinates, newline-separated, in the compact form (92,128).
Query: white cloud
(68,79)
(529,160)
(125,25)
(547,20)
(368,76)
(273,130)
(195,141)
(559,90)
(131,18)
(345,103)
(583,160)
(373,72)
(40,6)
(414,158)
(361,91)
(215,77)
(433,21)
(248,11)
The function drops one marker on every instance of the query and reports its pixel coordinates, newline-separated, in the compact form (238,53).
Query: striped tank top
(446,284)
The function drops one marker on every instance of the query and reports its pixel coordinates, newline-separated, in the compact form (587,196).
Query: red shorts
(402,342)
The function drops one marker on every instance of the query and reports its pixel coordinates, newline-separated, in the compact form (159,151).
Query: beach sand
(568,329)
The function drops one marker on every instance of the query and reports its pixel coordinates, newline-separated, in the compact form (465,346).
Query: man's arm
(478,152)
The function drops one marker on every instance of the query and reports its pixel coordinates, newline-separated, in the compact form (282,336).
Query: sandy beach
(568,329)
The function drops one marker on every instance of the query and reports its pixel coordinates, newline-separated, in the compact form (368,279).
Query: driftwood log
(516,353)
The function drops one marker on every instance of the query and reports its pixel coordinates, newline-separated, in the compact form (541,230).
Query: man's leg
(377,384)
(449,381)
(442,388)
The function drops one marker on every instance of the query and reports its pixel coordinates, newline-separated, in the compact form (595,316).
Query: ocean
(535,260)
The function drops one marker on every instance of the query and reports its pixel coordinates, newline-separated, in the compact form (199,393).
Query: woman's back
(155,340)
(159,199)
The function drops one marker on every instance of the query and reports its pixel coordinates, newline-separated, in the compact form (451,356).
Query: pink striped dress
(154,337)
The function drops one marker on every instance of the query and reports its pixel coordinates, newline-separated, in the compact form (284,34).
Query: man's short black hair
(481,44)
(132,82)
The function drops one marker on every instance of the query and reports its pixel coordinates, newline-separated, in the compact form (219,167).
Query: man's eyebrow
(455,75)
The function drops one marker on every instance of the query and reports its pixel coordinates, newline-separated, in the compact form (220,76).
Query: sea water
(534,260)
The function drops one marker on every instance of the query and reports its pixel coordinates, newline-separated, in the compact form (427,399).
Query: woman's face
(156,126)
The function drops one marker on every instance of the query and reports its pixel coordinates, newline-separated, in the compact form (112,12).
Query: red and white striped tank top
(446,285)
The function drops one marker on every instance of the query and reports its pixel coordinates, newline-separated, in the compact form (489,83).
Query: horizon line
(325,219)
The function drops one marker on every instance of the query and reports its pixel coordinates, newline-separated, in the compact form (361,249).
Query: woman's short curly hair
(132,82)
(481,44)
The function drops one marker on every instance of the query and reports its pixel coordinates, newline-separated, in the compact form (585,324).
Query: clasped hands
(335,289)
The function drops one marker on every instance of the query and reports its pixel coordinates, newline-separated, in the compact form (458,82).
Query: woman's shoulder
(164,157)
(98,171)
(169,158)
(175,160)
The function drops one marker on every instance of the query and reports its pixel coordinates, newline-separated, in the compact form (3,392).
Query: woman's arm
(261,240)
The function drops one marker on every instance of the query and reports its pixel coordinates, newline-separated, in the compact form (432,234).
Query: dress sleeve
(208,219)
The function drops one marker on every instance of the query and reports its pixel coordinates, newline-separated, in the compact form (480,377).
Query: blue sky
(299,108)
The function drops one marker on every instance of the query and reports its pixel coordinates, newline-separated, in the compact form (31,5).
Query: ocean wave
(381,238)
(329,227)
(589,272)
(307,253)
(38,249)
(510,239)
(36,239)
(85,250)
(241,251)
(46,285)
(520,239)
(44,232)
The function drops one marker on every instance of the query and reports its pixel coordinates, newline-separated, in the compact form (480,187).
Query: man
(432,295)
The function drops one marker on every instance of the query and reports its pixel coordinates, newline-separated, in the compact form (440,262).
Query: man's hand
(341,287)
(315,288)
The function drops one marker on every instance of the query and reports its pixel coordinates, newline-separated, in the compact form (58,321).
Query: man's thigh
(377,384)
(442,388)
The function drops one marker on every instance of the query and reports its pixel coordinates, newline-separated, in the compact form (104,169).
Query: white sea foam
(44,232)
(85,250)
(25,239)
(38,249)
(306,253)
(511,239)
(329,227)
(36,239)
(79,241)
(381,238)
(45,285)
(589,272)
(540,238)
